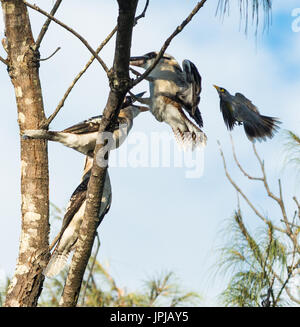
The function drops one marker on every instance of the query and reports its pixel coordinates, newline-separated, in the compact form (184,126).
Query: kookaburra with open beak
(237,109)
(172,90)
(83,136)
(68,236)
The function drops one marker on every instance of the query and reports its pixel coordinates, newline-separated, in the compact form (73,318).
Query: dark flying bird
(68,236)
(82,137)
(174,90)
(239,110)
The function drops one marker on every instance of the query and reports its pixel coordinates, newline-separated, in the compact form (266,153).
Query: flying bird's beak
(216,87)
(137,61)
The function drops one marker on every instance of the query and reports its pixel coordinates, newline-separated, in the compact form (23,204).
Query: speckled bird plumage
(237,109)
(83,136)
(174,91)
(68,236)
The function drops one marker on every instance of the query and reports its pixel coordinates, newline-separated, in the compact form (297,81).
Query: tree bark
(120,83)
(23,63)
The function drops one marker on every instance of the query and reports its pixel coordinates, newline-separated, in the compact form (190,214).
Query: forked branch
(83,40)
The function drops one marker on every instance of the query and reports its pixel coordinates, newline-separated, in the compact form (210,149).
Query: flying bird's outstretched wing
(241,98)
(190,97)
(227,112)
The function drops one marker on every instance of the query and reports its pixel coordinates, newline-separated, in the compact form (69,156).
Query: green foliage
(99,289)
(103,291)
(246,6)
(3,290)
(292,149)
(257,266)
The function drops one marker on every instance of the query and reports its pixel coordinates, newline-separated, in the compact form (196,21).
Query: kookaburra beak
(137,61)
(142,108)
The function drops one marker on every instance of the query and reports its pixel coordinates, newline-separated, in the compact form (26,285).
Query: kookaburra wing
(173,90)
(82,137)
(239,109)
(68,236)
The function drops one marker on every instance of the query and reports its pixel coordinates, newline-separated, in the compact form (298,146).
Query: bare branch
(101,46)
(44,59)
(270,194)
(4,61)
(266,221)
(298,206)
(83,40)
(46,25)
(142,15)
(119,86)
(239,165)
(168,41)
(76,79)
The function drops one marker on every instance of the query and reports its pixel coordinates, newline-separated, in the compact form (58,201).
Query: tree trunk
(119,85)
(23,63)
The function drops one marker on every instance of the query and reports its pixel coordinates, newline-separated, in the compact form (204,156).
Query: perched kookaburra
(238,109)
(67,237)
(173,89)
(83,136)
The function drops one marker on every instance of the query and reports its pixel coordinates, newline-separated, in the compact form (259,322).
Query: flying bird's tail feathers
(191,139)
(56,264)
(266,127)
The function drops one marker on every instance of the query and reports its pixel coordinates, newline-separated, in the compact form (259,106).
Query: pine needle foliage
(103,291)
(292,150)
(256,265)
(249,10)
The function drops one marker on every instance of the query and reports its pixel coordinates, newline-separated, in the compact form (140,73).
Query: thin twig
(83,40)
(168,41)
(241,192)
(44,59)
(62,101)
(4,61)
(239,165)
(291,224)
(298,206)
(88,64)
(46,25)
(143,13)
(270,194)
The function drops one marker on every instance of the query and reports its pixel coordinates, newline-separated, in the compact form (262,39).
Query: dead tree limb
(72,31)
(46,26)
(88,64)
(119,85)
(27,281)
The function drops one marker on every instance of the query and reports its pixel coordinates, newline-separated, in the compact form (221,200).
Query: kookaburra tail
(238,109)
(83,136)
(174,91)
(68,236)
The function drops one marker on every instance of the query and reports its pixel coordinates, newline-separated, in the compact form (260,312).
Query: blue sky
(159,219)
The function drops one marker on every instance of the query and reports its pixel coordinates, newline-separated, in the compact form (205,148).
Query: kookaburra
(173,89)
(68,236)
(239,110)
(83,136)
